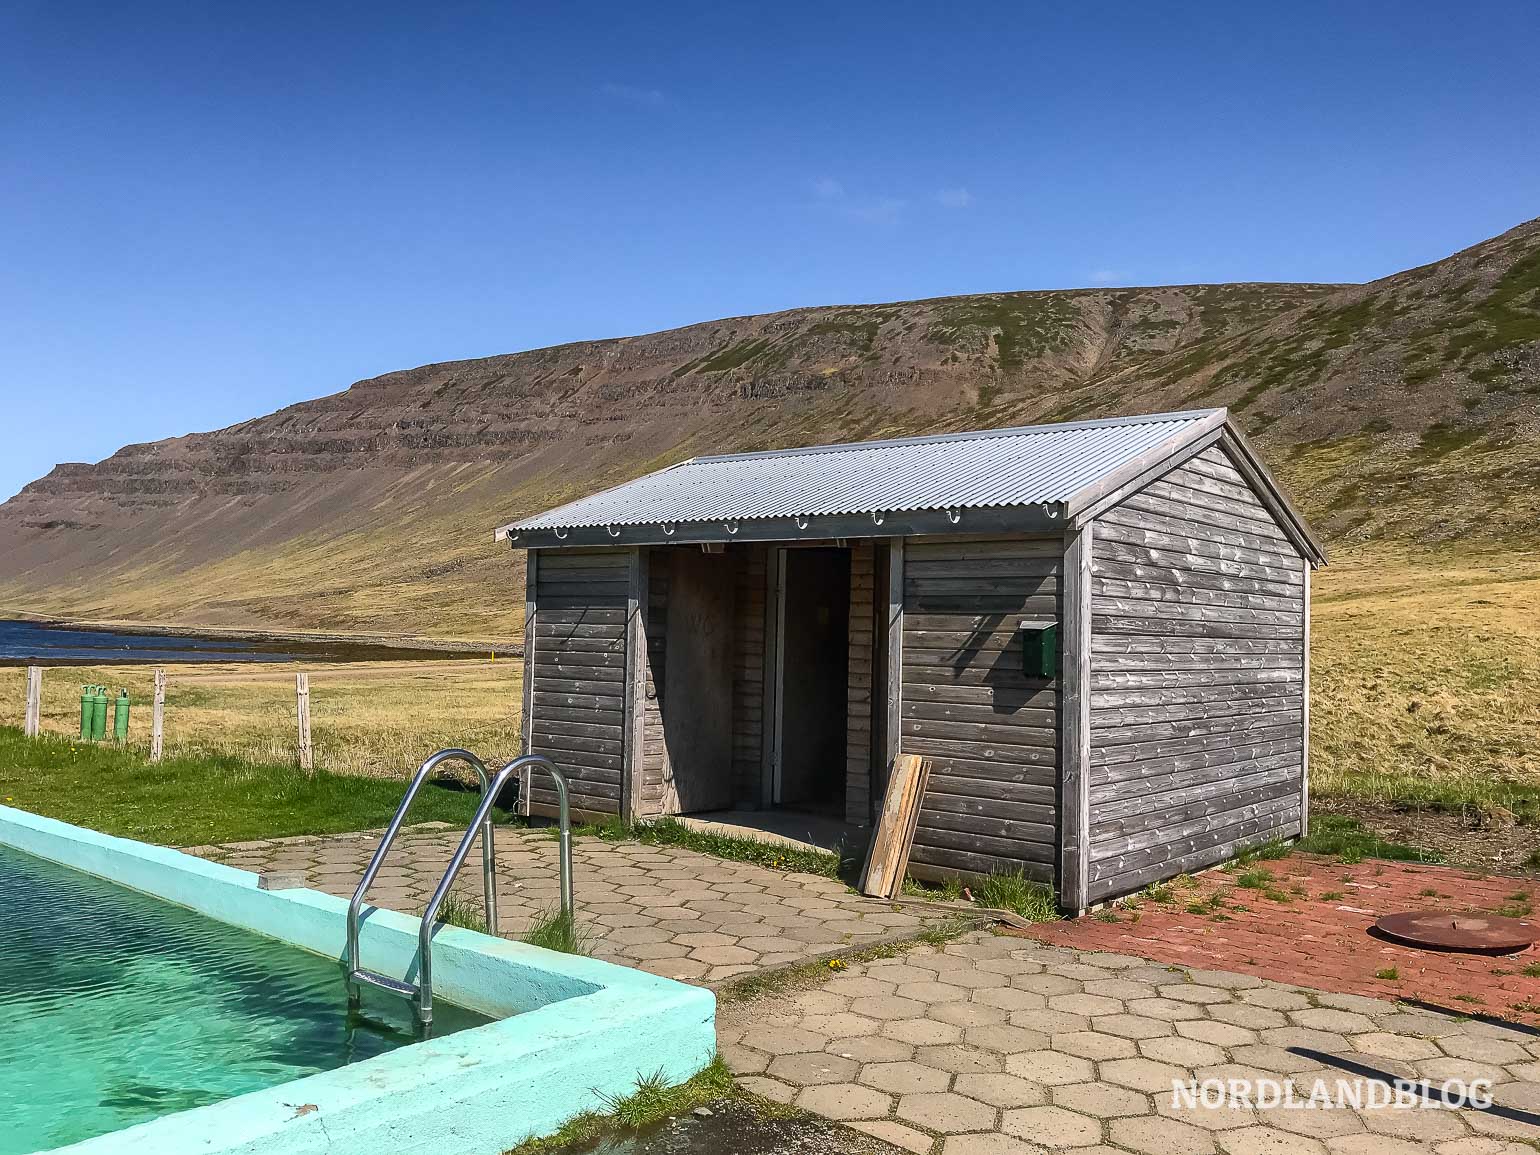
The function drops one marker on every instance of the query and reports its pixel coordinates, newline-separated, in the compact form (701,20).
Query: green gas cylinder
(120,716)
(98,713)
(85,712)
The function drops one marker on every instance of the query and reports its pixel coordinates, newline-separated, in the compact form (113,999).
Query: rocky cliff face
(371,509)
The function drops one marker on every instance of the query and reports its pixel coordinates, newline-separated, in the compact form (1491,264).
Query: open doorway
(813,659)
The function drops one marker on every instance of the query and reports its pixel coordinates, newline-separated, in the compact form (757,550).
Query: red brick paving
(1323,942)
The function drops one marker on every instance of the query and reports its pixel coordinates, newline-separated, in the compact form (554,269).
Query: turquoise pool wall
(582,1029)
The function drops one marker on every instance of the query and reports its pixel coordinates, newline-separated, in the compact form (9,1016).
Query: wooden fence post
(158,716)
(302,693)
(34,701)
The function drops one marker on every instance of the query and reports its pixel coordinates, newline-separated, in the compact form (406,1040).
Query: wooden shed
(1098,632)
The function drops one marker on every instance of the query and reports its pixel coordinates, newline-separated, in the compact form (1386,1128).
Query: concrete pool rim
(581,1030)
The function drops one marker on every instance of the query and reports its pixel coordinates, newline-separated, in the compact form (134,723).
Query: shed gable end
(1197,702)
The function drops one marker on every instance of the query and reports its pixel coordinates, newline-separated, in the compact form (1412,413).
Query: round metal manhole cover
(1442,930)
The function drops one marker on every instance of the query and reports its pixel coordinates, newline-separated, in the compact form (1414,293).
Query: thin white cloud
(883,211)
(1107,276)
(873,211)
(954,198)
(633,94)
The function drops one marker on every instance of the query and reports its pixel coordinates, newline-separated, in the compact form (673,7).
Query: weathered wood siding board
(749,563)
(577,699)
(1196,680)
(965,702)
(656,792)
(860,666)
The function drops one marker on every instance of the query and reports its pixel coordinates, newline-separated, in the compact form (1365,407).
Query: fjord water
(118,1008)
(22,641)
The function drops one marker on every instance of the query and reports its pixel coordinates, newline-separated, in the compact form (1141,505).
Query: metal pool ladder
(421,992)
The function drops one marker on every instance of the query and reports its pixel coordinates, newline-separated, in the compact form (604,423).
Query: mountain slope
(1404,410)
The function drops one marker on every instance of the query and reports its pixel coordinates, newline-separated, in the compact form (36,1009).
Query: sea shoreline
(266,644)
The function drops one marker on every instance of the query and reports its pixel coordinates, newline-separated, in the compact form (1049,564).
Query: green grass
(1389,974)
(1014,892)
(458,910)
(193,800)
(669,832)
(560,932)
(1344,838)
(653,1101)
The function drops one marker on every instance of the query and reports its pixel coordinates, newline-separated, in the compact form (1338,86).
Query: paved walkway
(1306,915)
(669,911)
(994,1045)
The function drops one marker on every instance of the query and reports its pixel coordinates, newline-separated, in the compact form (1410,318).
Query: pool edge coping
(581,1030)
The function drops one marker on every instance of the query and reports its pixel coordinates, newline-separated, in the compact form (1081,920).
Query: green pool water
(118,1007)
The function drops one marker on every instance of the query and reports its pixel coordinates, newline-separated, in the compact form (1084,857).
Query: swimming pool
(120,1008)
(205,1013)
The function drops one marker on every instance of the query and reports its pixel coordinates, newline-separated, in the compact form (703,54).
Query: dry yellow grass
(1425,687)
(372,718)
(1426,676)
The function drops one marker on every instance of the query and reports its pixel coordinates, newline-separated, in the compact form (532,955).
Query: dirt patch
(1482,839)
(1307,919)
(742,1128)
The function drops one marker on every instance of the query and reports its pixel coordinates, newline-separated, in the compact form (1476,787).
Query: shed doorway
(812,623)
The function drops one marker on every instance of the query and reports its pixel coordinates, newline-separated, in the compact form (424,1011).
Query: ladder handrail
(488,848)
(481,823)
(429,915)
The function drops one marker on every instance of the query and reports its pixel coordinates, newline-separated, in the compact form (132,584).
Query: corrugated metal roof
(1030,465)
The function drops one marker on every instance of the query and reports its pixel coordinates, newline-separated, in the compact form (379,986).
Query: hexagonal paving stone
(1384,1045)
(813,1068)
(1220,1034)
(1049,1067)
(1482,1050)
(784,1041)
(1052,1126)
(1257,1140)
(959,1059)
(1155,1135)
(1000,1090)
(1084,1004)
(1328,1019)
(1182,1052)
(897,1135)
(1270,1058)
(922,1032)
(1003,1039)
(1142,1074)
(1102,1100)
(967,1014)
(993,1143)
(905,1078)
(1094,1045)
(844,1101)
(1194,993)
(1132,1026)
(871,1049)
(946,1112)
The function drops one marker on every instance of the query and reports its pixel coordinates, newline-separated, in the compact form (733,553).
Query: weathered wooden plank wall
(656,794)
(860,664)
(1197,678)
(577,699)
(991,732)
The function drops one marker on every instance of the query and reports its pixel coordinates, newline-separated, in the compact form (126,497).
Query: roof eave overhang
(1042,518)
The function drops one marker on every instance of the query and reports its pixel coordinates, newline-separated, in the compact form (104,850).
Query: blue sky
(208,211)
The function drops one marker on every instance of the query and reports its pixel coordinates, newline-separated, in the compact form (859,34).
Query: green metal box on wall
(1039,648)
